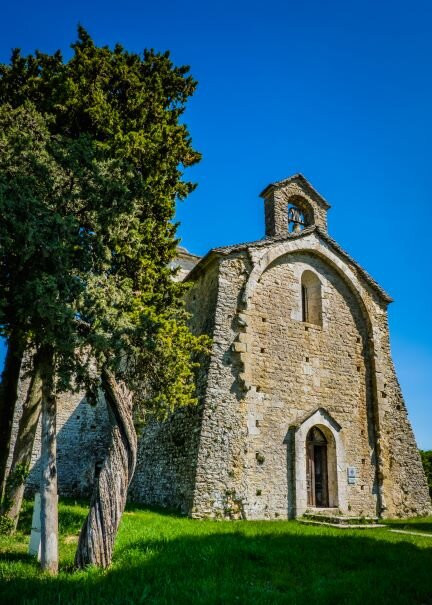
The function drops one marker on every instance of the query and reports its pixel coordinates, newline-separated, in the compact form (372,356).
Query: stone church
(299,404)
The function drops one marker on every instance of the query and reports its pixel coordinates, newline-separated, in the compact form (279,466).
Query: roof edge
(226,250)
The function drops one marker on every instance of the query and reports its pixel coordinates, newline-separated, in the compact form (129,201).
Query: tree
(115,119)
(8,394)
(21,460)
(41,246)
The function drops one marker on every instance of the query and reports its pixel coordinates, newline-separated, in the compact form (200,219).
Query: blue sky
(340,91)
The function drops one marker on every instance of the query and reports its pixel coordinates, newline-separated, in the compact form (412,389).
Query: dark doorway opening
(317,473)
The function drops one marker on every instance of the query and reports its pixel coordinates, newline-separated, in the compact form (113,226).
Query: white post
(35,536)
(49,509)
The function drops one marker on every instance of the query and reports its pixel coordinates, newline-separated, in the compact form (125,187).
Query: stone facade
(273,376)
(300,341)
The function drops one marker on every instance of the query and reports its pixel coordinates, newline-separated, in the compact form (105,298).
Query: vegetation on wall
(426,456)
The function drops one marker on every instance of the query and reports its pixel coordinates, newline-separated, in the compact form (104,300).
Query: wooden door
(320,475)
(310,474)
(316,468)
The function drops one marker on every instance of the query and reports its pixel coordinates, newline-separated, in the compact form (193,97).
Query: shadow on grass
(421,525)
(11,557)
(25,518)
(134,507)
(233,567)
(71,515)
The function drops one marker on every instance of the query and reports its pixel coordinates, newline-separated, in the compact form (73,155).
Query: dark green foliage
(41,244)
(426,456)
(94,154)
(163,558)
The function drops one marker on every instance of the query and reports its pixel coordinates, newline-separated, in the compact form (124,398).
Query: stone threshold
(331,516)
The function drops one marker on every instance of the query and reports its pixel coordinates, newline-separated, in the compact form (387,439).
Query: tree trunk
(49,512)
(96,541)
(8,397)
(23,449)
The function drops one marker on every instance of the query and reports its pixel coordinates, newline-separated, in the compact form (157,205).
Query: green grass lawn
(163,558)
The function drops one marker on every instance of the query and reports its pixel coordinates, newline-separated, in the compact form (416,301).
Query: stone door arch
(335,464)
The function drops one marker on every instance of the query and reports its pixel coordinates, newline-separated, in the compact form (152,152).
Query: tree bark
(8,398)
(23,449)
(96,541)
(49,512)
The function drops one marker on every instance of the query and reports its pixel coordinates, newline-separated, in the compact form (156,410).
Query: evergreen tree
(116,317)
(41,247)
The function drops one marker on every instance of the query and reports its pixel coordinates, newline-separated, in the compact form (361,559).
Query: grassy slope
(163,558)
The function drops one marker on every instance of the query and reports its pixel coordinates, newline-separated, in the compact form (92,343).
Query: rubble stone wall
(167,457)
(82,439)
(219,488)
(298,368)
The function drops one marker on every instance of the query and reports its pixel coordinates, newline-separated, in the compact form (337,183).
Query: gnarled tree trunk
(96,541)
(22,454)
(49,505)
(8,397)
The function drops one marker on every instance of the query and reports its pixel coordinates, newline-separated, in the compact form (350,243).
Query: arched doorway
(317,468)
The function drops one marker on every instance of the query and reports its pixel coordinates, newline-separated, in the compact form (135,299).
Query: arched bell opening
(300,214)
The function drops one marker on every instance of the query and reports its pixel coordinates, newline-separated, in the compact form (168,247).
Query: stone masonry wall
(167,458)
(220,468)
(82,439)
(269,371)
(166,464)
(298,368)
(294,372)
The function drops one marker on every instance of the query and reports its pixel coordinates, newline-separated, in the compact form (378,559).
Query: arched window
(311,298)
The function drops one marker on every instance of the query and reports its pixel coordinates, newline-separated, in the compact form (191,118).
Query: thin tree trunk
(49,512)
(96,541)
(8,398)
(23,449)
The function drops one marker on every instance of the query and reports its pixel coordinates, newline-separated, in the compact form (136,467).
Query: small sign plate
(352,475)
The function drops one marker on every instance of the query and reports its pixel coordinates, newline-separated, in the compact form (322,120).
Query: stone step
(333,517)
(323,511)
(342,525)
